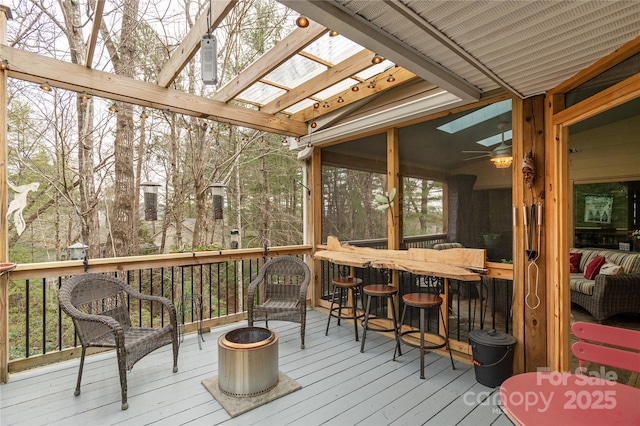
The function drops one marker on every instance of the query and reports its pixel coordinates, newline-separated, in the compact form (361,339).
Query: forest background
(91,155)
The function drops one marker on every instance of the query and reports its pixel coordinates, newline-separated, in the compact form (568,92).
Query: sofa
(613,290)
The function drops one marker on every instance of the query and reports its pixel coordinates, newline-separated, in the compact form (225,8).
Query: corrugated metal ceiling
(529,46)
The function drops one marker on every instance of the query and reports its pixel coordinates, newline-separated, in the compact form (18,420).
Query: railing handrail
(115,264)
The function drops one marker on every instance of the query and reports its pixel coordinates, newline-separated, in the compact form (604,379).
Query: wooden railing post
(5,14)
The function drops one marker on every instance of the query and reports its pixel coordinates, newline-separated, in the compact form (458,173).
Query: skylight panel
(339,87)
(374,70)
(495,139)
(260,93)
(476,117)
(299,106)
(333,49)
(295,71)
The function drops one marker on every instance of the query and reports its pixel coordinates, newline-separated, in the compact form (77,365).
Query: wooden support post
(393,219)
(313,220)
(5,14)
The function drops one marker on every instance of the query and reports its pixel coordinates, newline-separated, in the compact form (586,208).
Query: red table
(551,398)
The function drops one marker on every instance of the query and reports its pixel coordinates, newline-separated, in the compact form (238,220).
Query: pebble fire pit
(248,361)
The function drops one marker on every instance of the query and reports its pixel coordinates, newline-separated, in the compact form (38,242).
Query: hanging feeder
(150,190)
(77,251)
(235,239)
(217,189)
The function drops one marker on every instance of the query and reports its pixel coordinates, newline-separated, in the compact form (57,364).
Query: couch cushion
(611,269)
(594,267)
(579,283)
(629,261)
(574,262)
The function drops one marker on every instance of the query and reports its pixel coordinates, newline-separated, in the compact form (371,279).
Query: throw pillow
(611,269)
(593,268)
(574,260)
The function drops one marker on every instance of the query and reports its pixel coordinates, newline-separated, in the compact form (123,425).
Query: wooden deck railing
(40,334)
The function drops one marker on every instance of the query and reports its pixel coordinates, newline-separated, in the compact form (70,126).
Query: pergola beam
(297,40)
(93,38)
(37,68)
(207,21)
(363,32)
(339,72)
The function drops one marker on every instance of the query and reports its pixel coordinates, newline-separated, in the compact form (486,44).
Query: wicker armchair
(279,292)
(98,306)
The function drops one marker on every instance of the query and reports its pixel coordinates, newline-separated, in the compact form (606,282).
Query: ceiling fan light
(502,162)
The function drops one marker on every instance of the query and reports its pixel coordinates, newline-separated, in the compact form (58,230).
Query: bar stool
(346,284)
(388,293)
(425,301)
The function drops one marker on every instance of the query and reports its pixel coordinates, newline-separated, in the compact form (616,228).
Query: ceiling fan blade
(476,152)
(477,157)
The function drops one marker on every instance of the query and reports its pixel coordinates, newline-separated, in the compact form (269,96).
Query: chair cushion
(594,267)
(574,260)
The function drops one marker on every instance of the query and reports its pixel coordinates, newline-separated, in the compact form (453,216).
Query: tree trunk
(123,214)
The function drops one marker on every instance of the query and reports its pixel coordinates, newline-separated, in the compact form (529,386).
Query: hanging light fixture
(284,141)
(502,158)
(325,105)
(113,108)
(4,65)
(391,78)
(143,115)
(371,85)
(302,22)
(333,33)
(377,59)
(355,88)
(45,86)
(340,100)
(84,96)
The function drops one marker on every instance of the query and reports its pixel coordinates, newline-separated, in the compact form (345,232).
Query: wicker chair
(98,306)
(279,292)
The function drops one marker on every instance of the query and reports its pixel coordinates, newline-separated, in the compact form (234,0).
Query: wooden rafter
(400,74)
(339,72)
(37,68)
(297,40)
(93,38)
(208,20)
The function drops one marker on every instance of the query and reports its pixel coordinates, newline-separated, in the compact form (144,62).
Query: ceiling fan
(500,155)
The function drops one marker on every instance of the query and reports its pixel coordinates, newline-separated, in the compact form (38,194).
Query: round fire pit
(248,361)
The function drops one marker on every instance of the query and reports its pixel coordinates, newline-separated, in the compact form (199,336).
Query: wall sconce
(377,59)
(302,22)
(150,190)
(217,189)
(113,108)
(45,86)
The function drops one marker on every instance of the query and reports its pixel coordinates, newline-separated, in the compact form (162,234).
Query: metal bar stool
(425,301)
(388,293)
(346,284)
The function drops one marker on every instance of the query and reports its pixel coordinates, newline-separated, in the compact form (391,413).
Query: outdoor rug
(236,406)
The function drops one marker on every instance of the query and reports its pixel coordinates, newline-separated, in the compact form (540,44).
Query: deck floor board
(340,386)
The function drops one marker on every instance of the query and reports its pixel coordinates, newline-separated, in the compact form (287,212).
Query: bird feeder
(77,251)
(150,190)
(217,189)
(235,239)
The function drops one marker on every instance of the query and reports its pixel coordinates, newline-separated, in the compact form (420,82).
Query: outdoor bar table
(553,398)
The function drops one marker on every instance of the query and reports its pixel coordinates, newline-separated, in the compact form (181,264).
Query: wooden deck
(340,386)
